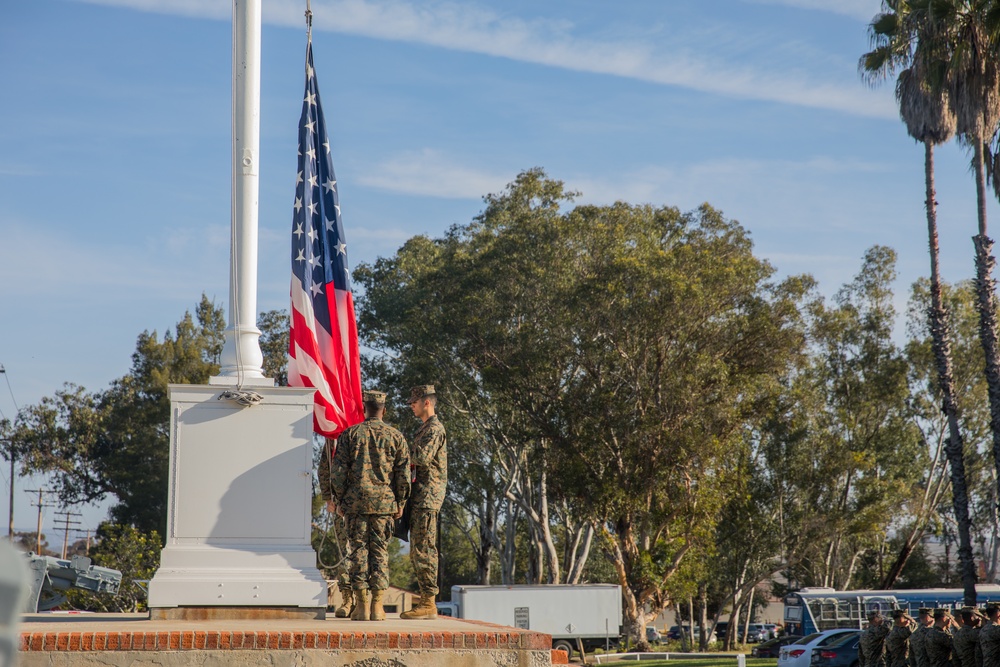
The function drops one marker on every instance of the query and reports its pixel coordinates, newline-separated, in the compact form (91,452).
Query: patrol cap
(941,612)
(992,607)
(925,611)
(421,391)
(898,613)
(872,615)
(373,397)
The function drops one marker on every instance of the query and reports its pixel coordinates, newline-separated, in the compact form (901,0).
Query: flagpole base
(239,511)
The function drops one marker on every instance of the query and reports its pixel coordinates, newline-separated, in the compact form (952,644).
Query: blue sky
(115,145)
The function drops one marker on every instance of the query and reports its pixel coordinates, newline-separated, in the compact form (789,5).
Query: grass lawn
(695,662)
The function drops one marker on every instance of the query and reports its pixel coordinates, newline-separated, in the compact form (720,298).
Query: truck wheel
(563,645)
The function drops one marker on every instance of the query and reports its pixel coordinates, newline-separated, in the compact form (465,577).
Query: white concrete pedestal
(240,501)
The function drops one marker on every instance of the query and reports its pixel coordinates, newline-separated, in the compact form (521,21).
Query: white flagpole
(242,361)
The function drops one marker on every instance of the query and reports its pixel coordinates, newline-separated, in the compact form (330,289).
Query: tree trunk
(749,615)
(633,615)
(487,535)
(545,529)
(732,633)
(702,617)
(508,562)
(581,552)
(986,305)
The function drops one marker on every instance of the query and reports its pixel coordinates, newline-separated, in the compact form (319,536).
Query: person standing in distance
(897,642)
(429,460)
(918,651)
(871,648)
(939,642)
(369,483)
(989,636)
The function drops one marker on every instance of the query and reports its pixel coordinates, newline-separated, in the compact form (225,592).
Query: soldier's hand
(340,510)
(331,507)
(399,514)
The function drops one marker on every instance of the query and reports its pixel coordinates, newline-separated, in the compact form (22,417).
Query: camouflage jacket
(429,458)
(966,647)
(370,471)
(918,649)
(989,645)
(939,644)
(897,645)
(871,648)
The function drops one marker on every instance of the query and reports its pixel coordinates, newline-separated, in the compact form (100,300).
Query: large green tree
(604,343)
(115,442)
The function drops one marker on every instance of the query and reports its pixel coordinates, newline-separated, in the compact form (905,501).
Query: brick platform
(113,639)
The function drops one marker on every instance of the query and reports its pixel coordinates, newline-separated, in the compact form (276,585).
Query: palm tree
(908,39)
(974,75)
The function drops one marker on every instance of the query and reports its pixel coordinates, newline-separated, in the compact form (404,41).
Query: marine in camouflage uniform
(989,637)
(966,651)
(429,460)
(897,642)
(871,648)
(918,650)
(939,642)
(370,483)
(340,571)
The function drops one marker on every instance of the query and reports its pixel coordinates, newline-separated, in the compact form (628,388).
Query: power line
(3,371)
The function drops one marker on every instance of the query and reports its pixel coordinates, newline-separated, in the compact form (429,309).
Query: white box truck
(591,613)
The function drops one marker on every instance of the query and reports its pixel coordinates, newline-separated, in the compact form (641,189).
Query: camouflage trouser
(369,535)
(423,550)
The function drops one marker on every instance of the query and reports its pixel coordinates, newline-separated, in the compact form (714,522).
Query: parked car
(653,635)
(674,633)
(799,654)
(755,633)
(842,653)
(772,647)
(772,631)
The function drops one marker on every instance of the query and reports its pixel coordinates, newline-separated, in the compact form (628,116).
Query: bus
(810,610)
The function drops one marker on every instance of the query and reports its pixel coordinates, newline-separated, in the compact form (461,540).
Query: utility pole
(87,533)
(41,506)
(10,524)
(66,524)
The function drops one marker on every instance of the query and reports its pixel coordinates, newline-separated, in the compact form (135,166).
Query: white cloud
(744,180)
(18,170)
(475,29)
(430,173)
(864,10)
(172,264)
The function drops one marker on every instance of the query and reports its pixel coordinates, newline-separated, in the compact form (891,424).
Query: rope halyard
(245,398)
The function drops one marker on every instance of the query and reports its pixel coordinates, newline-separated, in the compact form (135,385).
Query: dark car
(770,649)
(674,633)
(841,653)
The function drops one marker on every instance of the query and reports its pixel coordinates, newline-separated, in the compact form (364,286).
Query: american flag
(323,340)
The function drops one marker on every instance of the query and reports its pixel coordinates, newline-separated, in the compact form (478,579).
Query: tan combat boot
(346,606)
(360,612)
(377,613)
(423,608)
